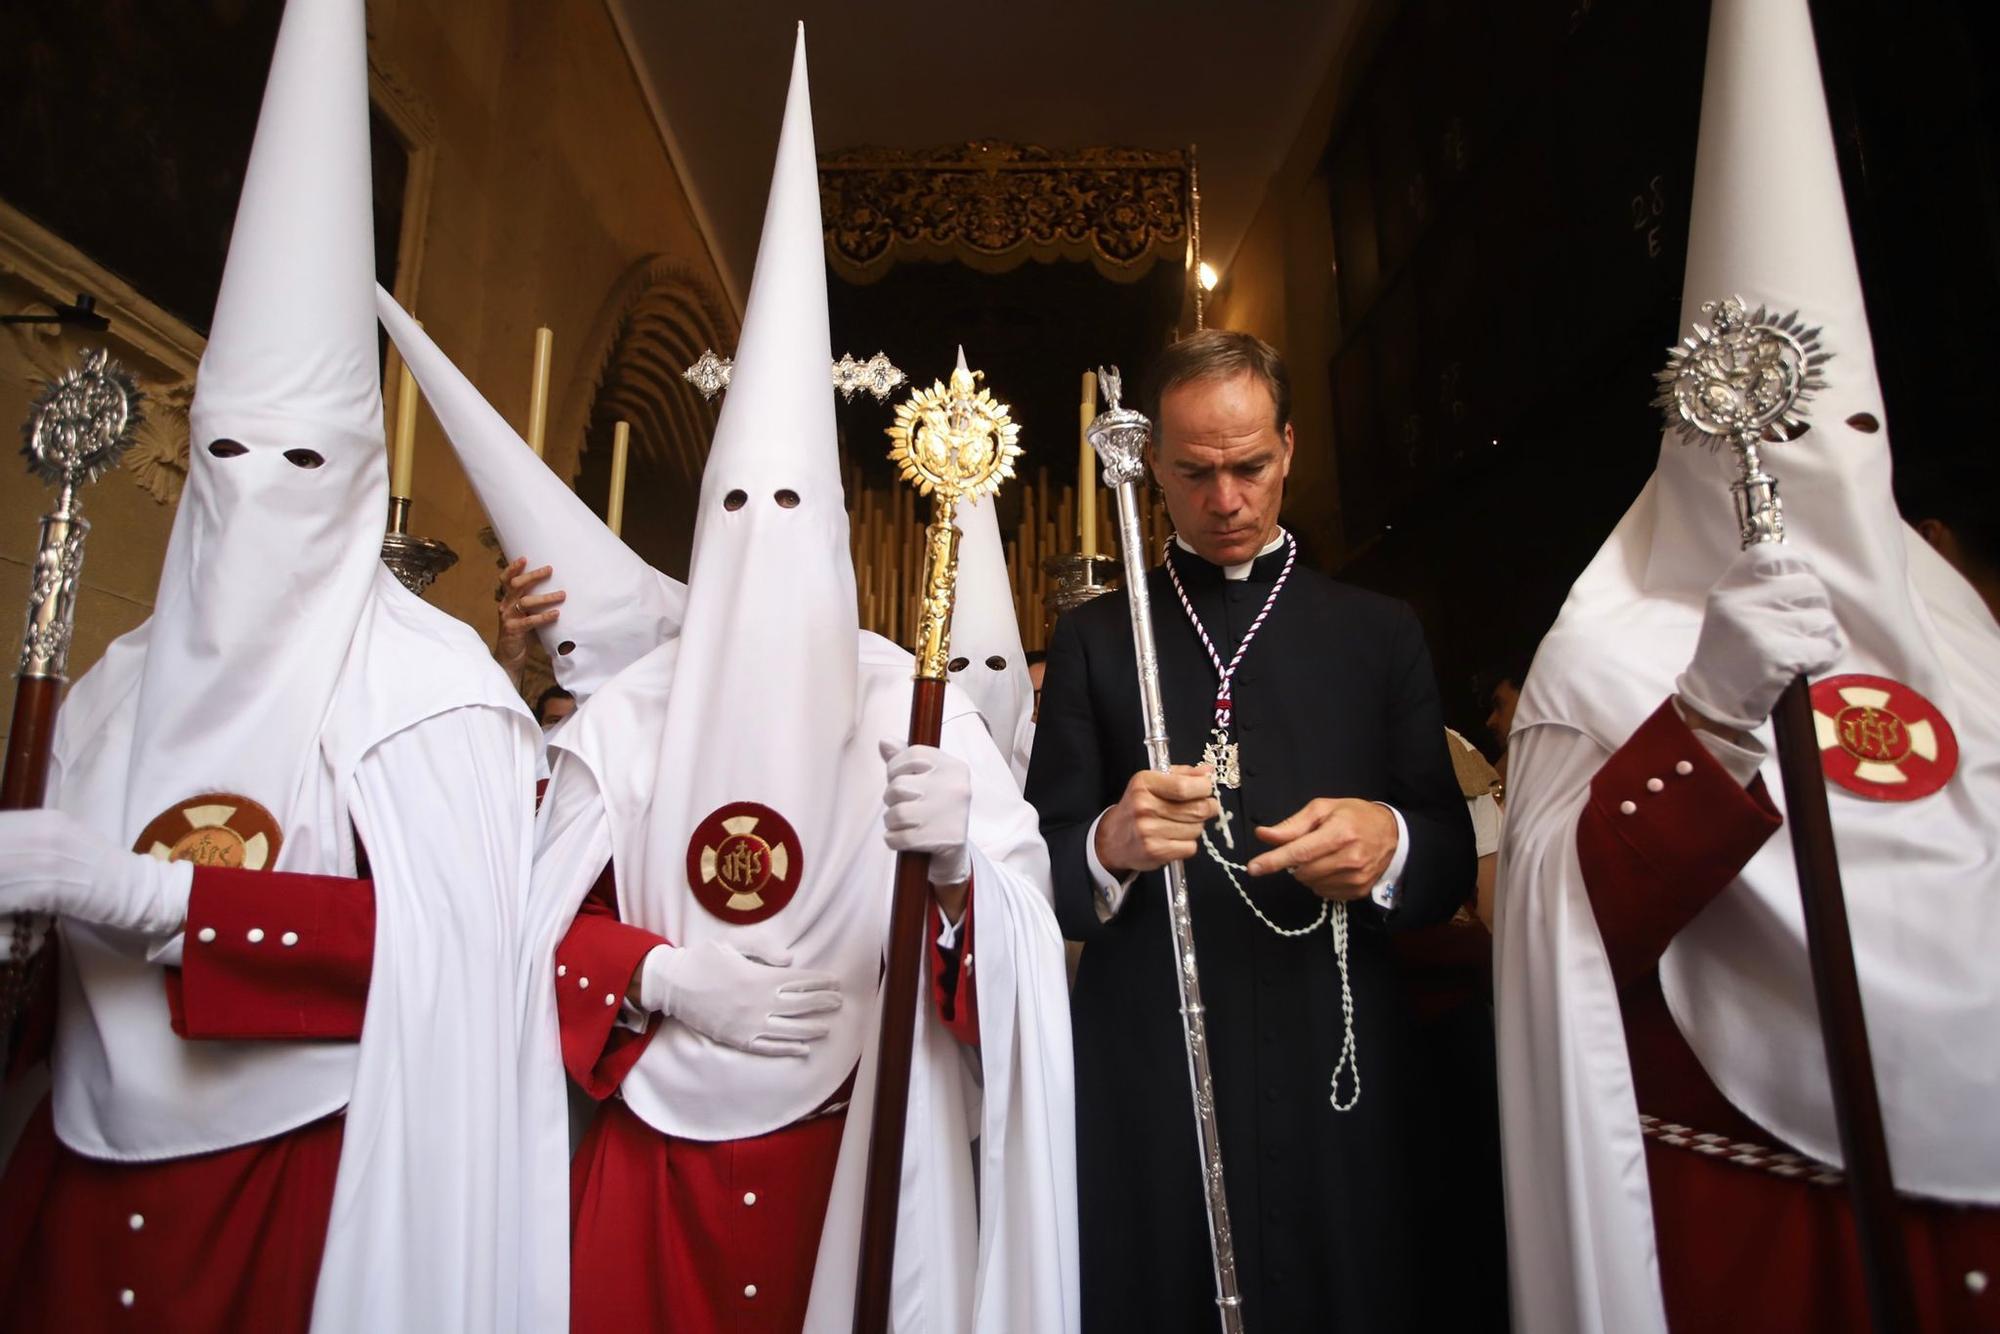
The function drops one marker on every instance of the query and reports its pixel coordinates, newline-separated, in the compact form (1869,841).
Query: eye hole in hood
(226,449)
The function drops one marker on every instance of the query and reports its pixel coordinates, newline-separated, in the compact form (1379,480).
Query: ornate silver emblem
(77,427)
(1743,381)
(710,373)
(81,422)
(1742,375)
(878,375)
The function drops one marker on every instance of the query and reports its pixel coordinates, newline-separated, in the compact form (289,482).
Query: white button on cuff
(127,1297)
(583,984)
(255,935)
(749,1289)
(562,970)
(136,1221)
(205,935)
(610,998)
(749,1197)
(289,939)
(1628,807)
(1654,785)
(1684,768)
(1975,1281)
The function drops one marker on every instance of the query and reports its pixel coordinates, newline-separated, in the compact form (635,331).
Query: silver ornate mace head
(1743,378)
(81,422)
(1120,434)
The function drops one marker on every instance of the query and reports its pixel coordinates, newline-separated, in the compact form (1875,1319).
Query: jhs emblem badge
(214,829)
(743,862)
(1882,740)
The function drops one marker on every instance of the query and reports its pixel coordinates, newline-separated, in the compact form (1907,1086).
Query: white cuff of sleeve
(1384,892)
(1742,762)
(1110,889)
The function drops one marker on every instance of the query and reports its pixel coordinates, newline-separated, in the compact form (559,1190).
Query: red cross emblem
(1882,740)
(743,862)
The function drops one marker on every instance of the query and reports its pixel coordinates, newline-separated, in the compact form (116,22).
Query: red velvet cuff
(273,954)
(952,987)
(1666,829)
(594,967)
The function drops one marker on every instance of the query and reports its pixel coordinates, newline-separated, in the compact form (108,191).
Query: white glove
(756,1003)
(928,807)
(51,862)
(1768,620)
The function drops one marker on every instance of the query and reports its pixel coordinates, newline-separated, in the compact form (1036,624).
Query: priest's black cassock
(1334,698)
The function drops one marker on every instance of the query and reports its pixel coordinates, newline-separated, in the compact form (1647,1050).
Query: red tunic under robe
(688,1235)
(229,1240)
(1741,1248)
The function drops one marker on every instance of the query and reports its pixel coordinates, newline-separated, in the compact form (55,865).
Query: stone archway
(656,322)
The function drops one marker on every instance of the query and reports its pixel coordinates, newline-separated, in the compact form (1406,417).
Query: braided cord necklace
(1225,770)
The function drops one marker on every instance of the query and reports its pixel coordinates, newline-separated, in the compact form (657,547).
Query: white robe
(452,1157)
(995,1252)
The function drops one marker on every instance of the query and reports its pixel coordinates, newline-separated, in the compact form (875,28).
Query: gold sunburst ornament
(955,438)
(953,441)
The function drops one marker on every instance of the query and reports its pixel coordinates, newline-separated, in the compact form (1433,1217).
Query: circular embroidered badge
(744,863)
(214,829)
(1882,740)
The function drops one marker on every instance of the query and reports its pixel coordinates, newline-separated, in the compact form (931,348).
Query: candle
(538,393)
(1086,468)
(403,461)
(614,509)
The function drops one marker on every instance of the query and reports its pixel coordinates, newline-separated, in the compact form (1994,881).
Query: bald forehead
(1225,413)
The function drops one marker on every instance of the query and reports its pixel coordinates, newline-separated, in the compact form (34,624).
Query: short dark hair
(543,700)
(1218,354)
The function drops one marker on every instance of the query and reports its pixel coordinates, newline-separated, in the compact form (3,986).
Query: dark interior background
(1510,193)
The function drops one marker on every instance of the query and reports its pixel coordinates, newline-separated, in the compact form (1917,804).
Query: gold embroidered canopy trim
(994,205)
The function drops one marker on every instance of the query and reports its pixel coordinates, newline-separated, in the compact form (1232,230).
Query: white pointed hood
(616,607)
(754,714)
(270,563)
(986,635)
(768,665)
(1922,877)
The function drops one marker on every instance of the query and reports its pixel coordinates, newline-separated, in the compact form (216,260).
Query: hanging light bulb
(1209,277)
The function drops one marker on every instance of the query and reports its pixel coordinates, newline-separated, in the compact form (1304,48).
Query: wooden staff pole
(965,457)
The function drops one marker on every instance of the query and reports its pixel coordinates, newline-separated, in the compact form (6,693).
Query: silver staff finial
(1109,381)
(1743,381)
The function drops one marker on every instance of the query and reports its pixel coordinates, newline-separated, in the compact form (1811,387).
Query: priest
(1673,1159)
(299,1076)
(1315,808)
(722,826)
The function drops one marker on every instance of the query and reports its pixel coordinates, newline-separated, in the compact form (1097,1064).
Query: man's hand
(1158,820)
(1337,847)
(756,1002)
(521,612)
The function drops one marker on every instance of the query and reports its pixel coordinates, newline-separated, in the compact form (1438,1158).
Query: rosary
(1226,771)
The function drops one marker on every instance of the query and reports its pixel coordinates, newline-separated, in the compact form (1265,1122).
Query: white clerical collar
(1237,573)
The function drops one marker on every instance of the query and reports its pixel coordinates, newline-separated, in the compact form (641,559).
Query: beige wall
(539,184)
(1280,286)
